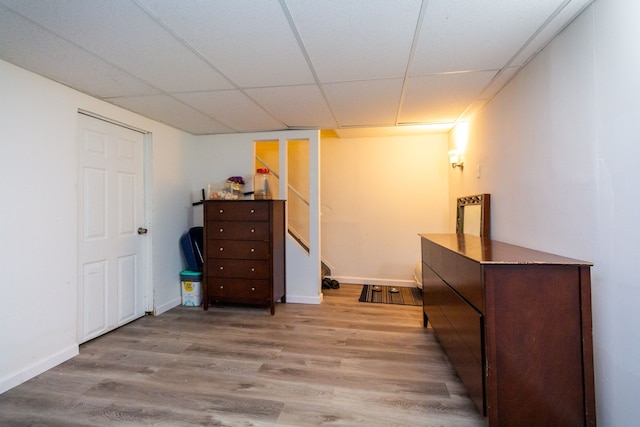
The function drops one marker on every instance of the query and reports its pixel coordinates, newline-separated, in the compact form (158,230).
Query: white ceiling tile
(62,61)
(252,65)
(441,97)
(125,36)
(296,106)
(168,110)
(368,103)
(250,40)
(476,35)
(358,39)
(565,16)
(233,108)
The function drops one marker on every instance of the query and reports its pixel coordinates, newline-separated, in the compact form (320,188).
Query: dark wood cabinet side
(534,338)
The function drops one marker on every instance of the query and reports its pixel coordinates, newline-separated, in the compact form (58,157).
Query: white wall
(38,176)
(377,195)
(557,149)
(171,207)
(535,147)
(617,141)
(217,157)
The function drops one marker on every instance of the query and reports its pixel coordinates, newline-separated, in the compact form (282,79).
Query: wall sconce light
(456,160)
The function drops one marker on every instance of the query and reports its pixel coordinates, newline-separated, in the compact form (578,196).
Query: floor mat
(405,295)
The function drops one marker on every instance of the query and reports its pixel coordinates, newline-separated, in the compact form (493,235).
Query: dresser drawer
(237,230)
(238,211)
(238,249)
(235,268)
(224,288)
(459,328)
(462,274)
(469,282)
(465,319)
(432,256)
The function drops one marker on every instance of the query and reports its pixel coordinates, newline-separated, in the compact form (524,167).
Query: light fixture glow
(458,137)
(461,136)
(456,160)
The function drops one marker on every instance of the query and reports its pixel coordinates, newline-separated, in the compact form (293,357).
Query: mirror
(474,215)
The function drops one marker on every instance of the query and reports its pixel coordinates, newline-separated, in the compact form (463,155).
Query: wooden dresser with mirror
(516,325)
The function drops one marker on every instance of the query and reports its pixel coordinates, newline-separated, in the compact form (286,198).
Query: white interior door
(111,211)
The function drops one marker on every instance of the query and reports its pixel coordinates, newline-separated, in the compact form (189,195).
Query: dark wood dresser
(244,252)
(516,324)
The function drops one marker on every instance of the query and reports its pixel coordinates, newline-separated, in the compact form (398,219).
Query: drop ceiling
(227,66)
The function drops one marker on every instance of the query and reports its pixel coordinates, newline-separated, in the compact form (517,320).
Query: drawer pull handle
(253,230)
(253,210)
(221,210)
(253,289)
(253,269)
(221,249)
(221,230)
(221,267)
(253,250)
(221,286)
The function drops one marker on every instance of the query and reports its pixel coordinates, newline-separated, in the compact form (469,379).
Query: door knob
(142,230)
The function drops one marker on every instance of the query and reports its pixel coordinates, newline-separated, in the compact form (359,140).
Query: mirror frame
(484,200)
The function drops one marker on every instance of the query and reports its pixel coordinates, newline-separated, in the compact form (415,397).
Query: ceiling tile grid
(230,108)
(365,103)
(296,106)
(228,66)
(250,41)
(476,35)
(357,39)
(63,61)
(441,98)
(170,111)
(123,35)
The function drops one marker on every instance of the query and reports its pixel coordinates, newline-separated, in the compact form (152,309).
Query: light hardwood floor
(341,363)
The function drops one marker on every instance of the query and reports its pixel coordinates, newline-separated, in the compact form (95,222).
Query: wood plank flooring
(340,363)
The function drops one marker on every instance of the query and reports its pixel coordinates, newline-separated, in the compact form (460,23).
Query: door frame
(147,173)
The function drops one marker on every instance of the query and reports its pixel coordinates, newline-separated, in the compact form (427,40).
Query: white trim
(37,368)
(146,248)
(373,281)
(168,306)
(147,172)
(301,299)
(147,262)
(108,120)
(302,267)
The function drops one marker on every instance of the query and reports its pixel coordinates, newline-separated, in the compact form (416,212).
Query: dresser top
(487,251)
